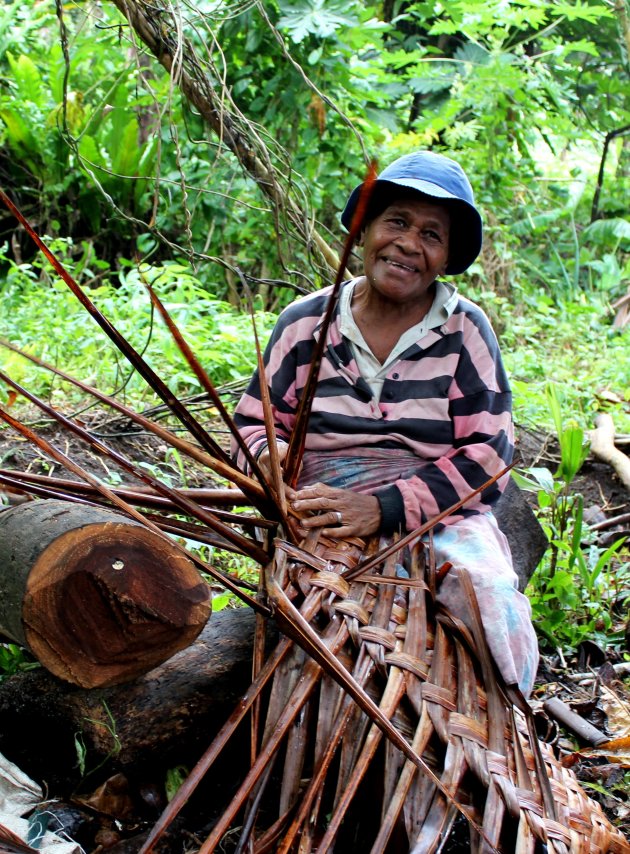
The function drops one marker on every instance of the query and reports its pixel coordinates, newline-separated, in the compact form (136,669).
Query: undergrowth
(41,315)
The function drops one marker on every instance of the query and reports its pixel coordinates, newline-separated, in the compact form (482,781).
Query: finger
(330,517)
(337,533)
(315,490)
(319,504)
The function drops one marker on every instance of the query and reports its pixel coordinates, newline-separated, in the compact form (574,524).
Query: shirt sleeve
(480,408)
(286,359)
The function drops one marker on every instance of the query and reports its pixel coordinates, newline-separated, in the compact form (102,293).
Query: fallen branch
(603,447)
(610,523)
(574,722)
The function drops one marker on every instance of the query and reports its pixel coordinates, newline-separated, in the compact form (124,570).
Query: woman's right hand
(264,460)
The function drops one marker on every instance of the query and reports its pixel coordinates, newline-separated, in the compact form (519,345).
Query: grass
(576,346)
(572,343)
(41,315)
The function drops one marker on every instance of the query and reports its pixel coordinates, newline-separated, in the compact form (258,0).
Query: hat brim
(466,234)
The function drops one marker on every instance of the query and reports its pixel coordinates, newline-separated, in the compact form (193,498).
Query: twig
(610,523)
(249,486)
(600,175)
(293,459)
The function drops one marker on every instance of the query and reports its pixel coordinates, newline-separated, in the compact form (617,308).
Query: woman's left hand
(339,512)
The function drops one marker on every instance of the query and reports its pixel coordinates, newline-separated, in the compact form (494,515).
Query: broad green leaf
(542,477)
(321,18)
(126,153)
(472,52)
(27,78)
(573,450)
(89,149)
(608,232)
(553,401)
(221,601)
(19,133)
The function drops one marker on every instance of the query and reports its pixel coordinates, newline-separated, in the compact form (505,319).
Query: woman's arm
(286,359)
(480,413)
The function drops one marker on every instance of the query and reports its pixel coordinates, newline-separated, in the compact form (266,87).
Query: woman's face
(405,248)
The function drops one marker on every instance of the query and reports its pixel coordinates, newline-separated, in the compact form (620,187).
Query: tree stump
(98,598)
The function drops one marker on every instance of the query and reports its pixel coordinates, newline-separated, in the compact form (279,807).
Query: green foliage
(571,341)
(15,659)
(40,314)
(578,586)
(174,779)
(236,565)
(522,93)
(73,146)
(108,723)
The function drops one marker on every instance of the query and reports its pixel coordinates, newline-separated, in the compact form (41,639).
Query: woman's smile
(405,249)
(400,265)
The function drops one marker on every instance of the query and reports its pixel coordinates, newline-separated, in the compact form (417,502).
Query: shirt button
(389,395)
(395,376)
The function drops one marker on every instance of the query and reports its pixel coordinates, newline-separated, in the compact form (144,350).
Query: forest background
(208,148)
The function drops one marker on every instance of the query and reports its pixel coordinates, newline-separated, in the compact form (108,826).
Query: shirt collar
(442,308)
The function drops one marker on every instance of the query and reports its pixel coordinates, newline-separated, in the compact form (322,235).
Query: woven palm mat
(422,731)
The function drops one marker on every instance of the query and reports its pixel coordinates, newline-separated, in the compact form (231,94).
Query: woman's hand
(264,460)
(339,512)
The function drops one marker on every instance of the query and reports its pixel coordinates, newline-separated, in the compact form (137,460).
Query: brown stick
(310,607)
(190,507)
(373,561)
(603,447)
(297,442)
(574,722)
(139,495)
(60,457)
(230,472)
(211,391)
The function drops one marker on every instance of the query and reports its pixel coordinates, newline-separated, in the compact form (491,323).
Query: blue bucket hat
(440,178)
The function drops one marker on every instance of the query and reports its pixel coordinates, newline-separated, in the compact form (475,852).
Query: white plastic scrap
(19,795)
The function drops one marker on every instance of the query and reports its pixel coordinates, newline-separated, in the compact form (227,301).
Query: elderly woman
(413,409)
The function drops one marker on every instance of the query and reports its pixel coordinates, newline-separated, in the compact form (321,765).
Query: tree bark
(164,718)
(96,597)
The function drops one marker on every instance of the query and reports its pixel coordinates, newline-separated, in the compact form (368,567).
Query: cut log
(97,598)
(162,719)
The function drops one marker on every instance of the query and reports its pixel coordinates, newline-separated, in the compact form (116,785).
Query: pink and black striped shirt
(446,400)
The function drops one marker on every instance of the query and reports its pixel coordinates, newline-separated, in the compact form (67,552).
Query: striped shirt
(446,399)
